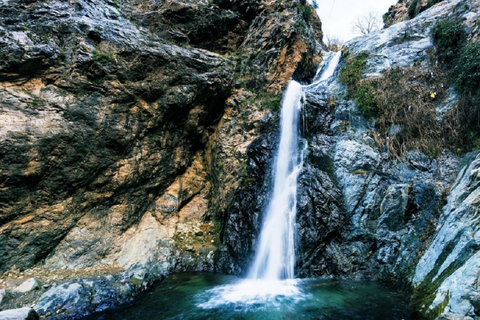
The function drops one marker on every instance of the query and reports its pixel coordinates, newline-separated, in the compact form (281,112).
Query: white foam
(250,293)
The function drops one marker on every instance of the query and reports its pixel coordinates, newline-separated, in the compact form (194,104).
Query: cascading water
(272,271)
(275,257)
(326,71)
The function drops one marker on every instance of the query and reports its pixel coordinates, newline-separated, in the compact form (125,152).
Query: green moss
(351,75)
(425,293)
(102,57)
(272,102)
(461,62)
(432,2)
(136,282)
(352,71)
(306,11)
(36,102)
(468,76)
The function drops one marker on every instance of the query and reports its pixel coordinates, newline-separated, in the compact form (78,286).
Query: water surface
(212,296)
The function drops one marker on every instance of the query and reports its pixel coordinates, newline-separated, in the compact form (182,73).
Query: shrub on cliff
(467,79)
(467,83)
(352,70)
(351,75)
(449,37)
(401,103)
(461,61)
(412,9)
(408,118)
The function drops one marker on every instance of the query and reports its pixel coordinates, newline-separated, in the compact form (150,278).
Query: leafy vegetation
(449,37)
(351,75)
(102,57)
(366,101)
(306,11)
(461,62)
(432,2)
(467,79)
(352,71)
(412,8)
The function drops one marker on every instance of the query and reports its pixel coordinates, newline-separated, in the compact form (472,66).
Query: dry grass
(407,118)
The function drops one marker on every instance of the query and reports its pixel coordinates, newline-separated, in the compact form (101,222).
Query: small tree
(368,23)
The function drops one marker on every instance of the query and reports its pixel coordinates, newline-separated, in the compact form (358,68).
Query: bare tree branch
(368,23)
(333,42)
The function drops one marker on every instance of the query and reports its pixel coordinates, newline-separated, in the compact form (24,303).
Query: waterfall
(270,278)
(331,66)
(326,70)
(275,257)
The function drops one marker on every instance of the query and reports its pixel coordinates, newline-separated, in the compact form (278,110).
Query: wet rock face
(243,215)
(448,269)
(91,111)
(320,216)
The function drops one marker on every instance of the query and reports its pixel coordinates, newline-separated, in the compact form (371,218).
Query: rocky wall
(410,219)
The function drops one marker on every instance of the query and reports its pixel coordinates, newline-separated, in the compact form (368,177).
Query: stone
(28,285)
(3,294)
(393,206)
(139,277)
(25,313)
(60,297)
(354,162)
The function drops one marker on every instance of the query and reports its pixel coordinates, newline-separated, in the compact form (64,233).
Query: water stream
(275,255)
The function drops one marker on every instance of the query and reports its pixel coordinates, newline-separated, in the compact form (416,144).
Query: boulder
(26,313)
(28,285)
(3,294)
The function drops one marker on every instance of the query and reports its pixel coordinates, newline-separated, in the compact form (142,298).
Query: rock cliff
(124,134)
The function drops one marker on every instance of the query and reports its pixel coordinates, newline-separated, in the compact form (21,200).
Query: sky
(338,16)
